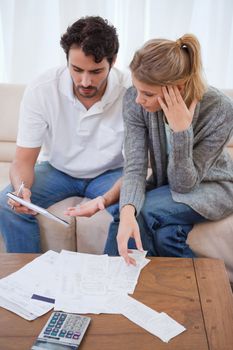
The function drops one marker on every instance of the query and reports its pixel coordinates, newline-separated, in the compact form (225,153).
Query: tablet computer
(37,209)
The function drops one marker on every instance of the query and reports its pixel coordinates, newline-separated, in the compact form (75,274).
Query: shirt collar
(113,88)
(66,84)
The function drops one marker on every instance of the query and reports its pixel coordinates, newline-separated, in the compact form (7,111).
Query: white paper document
(86,281)
(37,209)
(36,278)
(82,282)
(123,278)
(159,324)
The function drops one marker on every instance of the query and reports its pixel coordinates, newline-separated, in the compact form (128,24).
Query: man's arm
(22,170)
(99,203)
(112,196)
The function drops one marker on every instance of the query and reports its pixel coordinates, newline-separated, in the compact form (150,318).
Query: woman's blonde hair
(166,62)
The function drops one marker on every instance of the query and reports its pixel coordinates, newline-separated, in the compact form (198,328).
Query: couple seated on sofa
(75,113)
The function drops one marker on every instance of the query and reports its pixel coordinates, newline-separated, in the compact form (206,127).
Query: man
(72,116)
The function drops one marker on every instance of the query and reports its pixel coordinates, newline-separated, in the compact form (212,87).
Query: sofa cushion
(214,240)
(2,246)
(10,97)
(54,235)
(7,151)
(4,174)
(92,232)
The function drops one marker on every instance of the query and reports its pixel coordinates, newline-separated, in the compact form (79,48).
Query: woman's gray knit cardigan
(198,168)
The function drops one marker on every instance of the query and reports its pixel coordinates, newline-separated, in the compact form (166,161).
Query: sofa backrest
(10,97)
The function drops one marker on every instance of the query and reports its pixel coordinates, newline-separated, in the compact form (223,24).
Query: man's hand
(128,228)
(19,208)
(178,115)
(87,209)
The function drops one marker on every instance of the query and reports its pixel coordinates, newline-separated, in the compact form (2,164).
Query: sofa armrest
(55,236)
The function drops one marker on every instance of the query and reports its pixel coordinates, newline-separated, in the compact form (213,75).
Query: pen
(19,192)
(21,187)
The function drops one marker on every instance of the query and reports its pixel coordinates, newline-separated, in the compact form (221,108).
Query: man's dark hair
(94,35)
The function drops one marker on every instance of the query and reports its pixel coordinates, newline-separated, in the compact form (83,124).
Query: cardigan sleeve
(136,153)
(191,158)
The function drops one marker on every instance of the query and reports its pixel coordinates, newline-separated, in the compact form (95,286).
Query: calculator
(62,331)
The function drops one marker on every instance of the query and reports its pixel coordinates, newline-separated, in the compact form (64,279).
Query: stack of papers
(86,281)
(17,289)
(83,283)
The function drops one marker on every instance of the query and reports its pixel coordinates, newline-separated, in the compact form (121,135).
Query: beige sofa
(214,239)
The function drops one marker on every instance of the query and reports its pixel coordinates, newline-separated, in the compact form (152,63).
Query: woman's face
(147,95)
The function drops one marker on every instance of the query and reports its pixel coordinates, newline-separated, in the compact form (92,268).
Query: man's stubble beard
(94,88)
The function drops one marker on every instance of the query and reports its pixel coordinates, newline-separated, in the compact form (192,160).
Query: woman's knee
(150,217)
(156,206)
(171,240)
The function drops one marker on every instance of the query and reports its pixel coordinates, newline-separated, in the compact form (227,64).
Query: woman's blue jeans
(164,226)
(20,231)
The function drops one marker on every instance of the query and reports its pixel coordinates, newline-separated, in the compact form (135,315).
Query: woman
(184,125)
(172,115)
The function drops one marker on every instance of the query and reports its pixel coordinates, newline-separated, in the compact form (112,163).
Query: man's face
(89,77)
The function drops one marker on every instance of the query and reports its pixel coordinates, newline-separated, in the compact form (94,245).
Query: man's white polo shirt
(82,143)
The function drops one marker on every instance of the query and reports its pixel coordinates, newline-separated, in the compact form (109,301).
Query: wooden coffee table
(195,292)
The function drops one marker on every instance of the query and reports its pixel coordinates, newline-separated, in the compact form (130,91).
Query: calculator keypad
(65,327)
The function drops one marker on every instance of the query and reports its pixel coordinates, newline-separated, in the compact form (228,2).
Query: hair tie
(179,43)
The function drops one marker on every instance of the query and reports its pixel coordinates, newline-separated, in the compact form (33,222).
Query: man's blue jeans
(164,226)
(21,232)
